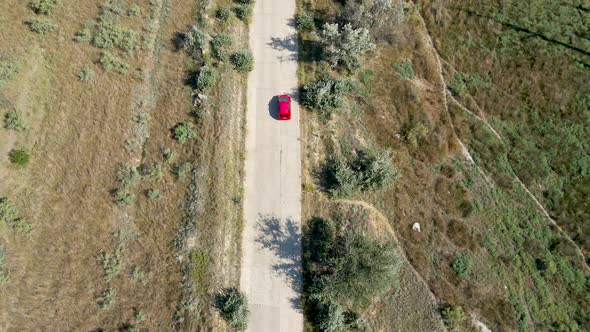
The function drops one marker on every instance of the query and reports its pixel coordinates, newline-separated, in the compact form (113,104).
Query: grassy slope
(510,242)
(77,133)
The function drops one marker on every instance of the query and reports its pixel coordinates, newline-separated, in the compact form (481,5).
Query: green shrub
(462,264)
(326,95)
(453,316)
(41,25)
(168,154)
(243,61)
(245,2)
(134,10)
(181,170)
(343,47)
(86,74)
(457,84)
(3,274)
(19,157)
(195,42)
(8,71)
(206,78)
(153,194)
(244,12)
(152,171)
(116,7)
(111,62)
(85,34)
(233,307)
(223,14)
(405,70)
(304,23)
(14,120)
(109,35)
(10,216)
(44,7)
(185,131)
(123,197)
(106,299)
(330,317)
(368,170)
(111,264)
(219,45)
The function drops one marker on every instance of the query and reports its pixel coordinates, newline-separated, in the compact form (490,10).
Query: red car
(284,107)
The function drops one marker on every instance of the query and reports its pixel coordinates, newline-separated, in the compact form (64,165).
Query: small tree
(123,197)
(233,306)
(330,317)
(185,131)
(44,7)
(405,70)
(205,78)
(243,12)
(41,25)
(196,42)
(223,14)
(304,23)
(19,157)
(243,61)
(343,47)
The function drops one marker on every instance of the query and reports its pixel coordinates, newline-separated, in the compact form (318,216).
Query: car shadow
(273,107)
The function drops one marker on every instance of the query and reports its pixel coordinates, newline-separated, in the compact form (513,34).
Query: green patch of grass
(14,120)
(244,12)
(3,271)
(111,62)
(223,14)
(106,299)
(153,194)
(453,316)
(199,269)
(462,265)
(19,157)
(168,154)
(85,34)
(181,170)
(154,171)
(134,11)
(110,35)
(405,70)
(219,46)
(123,197)
(9,215)
(457,84)
(111,264)
(41,25)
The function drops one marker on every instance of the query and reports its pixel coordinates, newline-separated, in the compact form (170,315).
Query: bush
(44,7)
(343,47)
(223,14)
(368,170)
(41,25)
(128,175)
(153,194)
(111,62)
(330,317)
(181,170)
(326,95)
(243,61)
(457,84)
(106,299)
(168,154)
(123,197)
(206,78)
(86,74)
(233,306)
(462,265)
(244,12)
(245,2)
(453,316)
(109,35)
(8,71)
(14,120)
(304,23)
(195,42)
(378,16)
(152,171)
(19,157)
(405,70)
(183,132)
(416,134)
(116,7)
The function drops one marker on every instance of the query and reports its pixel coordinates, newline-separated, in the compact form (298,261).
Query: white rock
(416,227)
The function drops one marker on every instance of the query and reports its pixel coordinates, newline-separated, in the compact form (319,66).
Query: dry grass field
(88,263)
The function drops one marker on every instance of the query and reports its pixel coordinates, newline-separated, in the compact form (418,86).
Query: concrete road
(271,264)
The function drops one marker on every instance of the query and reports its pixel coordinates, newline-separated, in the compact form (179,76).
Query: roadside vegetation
(482,111)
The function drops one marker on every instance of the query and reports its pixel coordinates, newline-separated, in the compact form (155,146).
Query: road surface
(271,262)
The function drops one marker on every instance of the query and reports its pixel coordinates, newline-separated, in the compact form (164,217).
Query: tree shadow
(283,239)
(178,41)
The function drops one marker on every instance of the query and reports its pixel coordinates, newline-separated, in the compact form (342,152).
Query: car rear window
(284,99)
